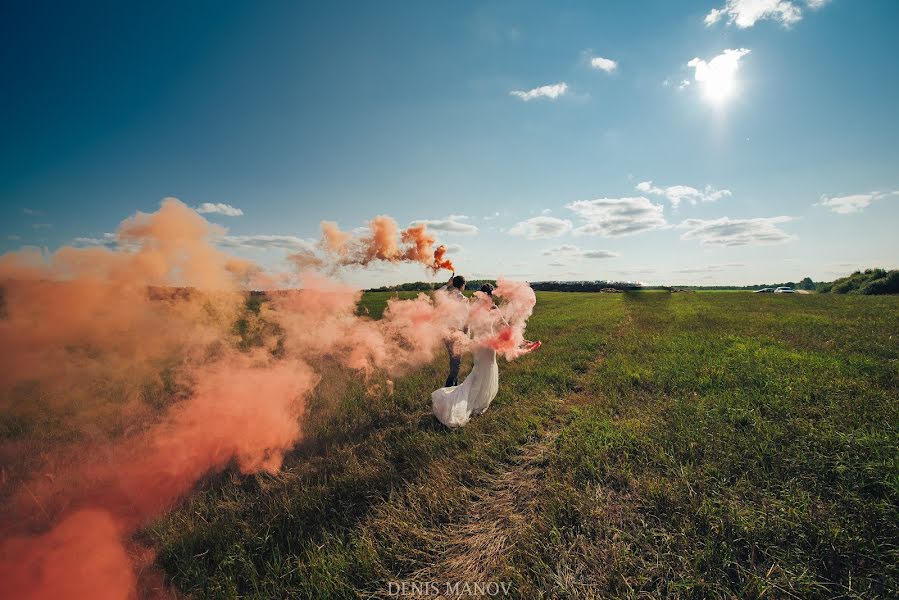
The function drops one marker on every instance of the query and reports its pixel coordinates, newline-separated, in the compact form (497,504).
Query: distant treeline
(540,286)
(425,286)
(804,284)
(585,286)
(871,281)
(868,282)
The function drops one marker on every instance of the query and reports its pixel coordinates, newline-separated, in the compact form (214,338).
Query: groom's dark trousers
(455,363)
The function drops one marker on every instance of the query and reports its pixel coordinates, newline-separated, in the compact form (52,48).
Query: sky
(707,142)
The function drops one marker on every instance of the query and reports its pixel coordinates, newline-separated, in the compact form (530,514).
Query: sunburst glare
(718,77)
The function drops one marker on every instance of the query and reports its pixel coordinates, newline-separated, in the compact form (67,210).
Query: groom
(454,288)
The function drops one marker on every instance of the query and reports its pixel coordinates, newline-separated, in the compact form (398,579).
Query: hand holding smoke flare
(168,296)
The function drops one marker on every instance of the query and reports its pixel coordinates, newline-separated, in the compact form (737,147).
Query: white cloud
(42,226)
(572,251)
(107,240)
(453,248)
(33,213)
(13,237)
(713,17)
(563,249)
(745,13)
(603,64)
(736,232)
(221,209)
(679,193)
(718,75)
(635,270)
(711,268)
(451,224)
(544,91)
(266,242)
(541,228)
(854,203)
(612,217)
(599,254)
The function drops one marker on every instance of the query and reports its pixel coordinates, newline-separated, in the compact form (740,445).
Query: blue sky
(776,161)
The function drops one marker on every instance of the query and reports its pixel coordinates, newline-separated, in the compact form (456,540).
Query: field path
(501,505)
(499,512)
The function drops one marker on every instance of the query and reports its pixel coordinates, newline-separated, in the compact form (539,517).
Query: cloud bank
(746,13)
(679,193)
(221,209)
(855,203)
(451,224)
(736,232)
(265,242)
(572,251)
(540,228)
(613,217)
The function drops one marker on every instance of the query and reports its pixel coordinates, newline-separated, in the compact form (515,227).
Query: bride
(454,405)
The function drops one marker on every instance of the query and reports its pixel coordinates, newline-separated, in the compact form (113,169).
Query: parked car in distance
(764,291)
(784,290)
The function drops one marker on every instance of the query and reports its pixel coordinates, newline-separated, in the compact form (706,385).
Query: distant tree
(868,282)
(806,284)
(888,284)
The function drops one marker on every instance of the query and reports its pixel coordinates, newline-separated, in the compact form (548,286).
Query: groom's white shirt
(453,292)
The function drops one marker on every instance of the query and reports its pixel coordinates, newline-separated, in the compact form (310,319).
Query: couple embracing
(456,403)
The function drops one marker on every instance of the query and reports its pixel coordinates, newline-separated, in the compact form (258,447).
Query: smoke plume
(132,357)
(381,241)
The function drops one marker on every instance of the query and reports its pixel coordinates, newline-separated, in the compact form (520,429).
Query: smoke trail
(86,329)
(383,241)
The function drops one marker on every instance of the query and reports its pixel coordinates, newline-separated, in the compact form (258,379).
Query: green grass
(700,445)
(738,446)
(696,445)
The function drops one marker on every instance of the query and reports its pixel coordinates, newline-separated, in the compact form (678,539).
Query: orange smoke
(96,299)
(81,559)
(440,262)
(502,328)
(384,241)
(333,239)
(88,329)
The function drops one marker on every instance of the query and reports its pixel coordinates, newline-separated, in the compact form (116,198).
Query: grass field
(691,445)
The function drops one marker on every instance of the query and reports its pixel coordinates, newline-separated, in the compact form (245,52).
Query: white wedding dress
(454,405)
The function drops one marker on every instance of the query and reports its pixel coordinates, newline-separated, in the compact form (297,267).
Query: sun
(718,77)
(720,87)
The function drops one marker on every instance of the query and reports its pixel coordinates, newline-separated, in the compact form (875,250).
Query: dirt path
(498,514)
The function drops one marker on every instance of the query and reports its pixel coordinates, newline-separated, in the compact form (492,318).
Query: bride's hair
(487,289)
